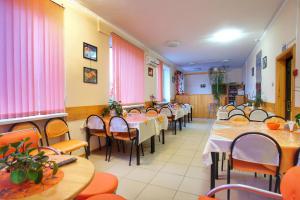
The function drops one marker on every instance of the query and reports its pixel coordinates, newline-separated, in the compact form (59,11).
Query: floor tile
(171,181)
(140,174)
(175,168)
(152,192)
(194,186)
(130,189)
(185,196)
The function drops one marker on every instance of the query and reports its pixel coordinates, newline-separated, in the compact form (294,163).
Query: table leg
(191,114)
(153,144)
(88,141)
(137,148)
(175,126)
(217,166)
(163,136)
(213,171)
(184,120)
(180,124)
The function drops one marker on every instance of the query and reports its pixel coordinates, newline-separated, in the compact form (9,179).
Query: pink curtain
(159,81)
(128,71)
(31,58)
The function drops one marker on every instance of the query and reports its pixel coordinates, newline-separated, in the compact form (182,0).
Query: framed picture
(89,51)
(150,71)
(252,71)
(265,62)
(90,75)
(203,85)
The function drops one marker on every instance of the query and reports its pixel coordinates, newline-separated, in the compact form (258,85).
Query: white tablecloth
(161,123)
(178,113)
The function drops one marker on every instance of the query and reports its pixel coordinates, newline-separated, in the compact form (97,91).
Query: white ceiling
(154,22)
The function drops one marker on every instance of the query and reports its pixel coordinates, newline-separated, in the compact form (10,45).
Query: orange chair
(18,135)
(106,197)
(135,111)
(289,187)
(102,183)
(57,127)
(168,112)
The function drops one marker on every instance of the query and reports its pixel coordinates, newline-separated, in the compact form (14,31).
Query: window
(128,71)
(31,58)
(166,83)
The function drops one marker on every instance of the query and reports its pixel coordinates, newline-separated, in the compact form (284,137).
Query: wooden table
(224,132)
(77,176)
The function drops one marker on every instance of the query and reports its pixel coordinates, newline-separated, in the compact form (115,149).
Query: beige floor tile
(120,170)
(198,172)
(175,168)
(171,181)
(185,196)
(181,159)
(152,192)
(152,164)
(130,189)
(194,186)
(140,174)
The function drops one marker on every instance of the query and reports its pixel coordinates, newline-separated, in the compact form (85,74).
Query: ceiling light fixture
(226,35)
(173,43)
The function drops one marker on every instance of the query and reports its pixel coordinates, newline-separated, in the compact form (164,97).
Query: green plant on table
(297,117)
(22,166)
(216,77)
(113,106)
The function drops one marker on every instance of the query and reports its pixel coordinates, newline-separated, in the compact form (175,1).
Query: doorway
(285,83)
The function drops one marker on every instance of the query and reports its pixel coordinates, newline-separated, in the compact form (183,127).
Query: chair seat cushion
(102,183)
(206,198)
(99,134)
(106,197)
(253,167)
(69,145)
(47,152)
(125,136)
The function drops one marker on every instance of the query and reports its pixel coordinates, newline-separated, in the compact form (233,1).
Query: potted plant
(297,117)
(114,109)
(24,167)
(216,77)
(153,100)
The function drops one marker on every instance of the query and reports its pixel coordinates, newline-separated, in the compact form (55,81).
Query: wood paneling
(82,112)
(270,107)
(200,103)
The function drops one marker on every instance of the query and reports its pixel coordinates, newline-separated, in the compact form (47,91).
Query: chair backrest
(151,112)
(297,158)
(134,111)
(235,112)
(95,122)
(256,148)
(275,119)
(118,125)
(289,186)
(27,125)
(238,118)
(166,111)
(56,127)
(229,108)
(150,108)
(241,107)
(17,136)
(258,115)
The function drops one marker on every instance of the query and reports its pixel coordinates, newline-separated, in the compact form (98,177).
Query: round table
(77,176)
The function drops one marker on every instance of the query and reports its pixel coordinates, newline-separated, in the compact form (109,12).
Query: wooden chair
(289,188)
(95,126)
(255,152)
(102,183)
(258,115)
(57,127)
(135,111)
(120,131)
(238,118)
(235,112)
(168,112)
(34,138)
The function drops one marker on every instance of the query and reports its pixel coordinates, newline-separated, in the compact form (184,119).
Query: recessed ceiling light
(226,35)
(173,43)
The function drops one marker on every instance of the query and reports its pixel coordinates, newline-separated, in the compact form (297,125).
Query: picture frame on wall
(252,71)
(265,62)
(90,52)
(90,75)
(150,71)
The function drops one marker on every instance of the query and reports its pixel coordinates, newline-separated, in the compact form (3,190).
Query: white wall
(192,81)
(282,30)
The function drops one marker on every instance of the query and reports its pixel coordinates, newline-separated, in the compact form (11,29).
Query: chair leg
(228,179)
(86,152)
(159,138)
(270,183)
(131,152)
(223,159)
(255,174)
(110,148)
(123,144)
(277,182)
(175,126)
(107,147)
(99,141)
(142,149)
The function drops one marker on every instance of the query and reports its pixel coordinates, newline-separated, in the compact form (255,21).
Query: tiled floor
(174,171)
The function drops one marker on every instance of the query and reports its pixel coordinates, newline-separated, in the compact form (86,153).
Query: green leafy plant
(216,77)
(22,166)
(113,106)
(297,117)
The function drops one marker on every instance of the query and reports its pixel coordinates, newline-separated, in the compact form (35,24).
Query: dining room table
(223,132)
(222,114)
(74,178)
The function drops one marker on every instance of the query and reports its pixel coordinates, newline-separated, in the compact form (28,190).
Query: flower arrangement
(113,108)
(24,167)
(153,100)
